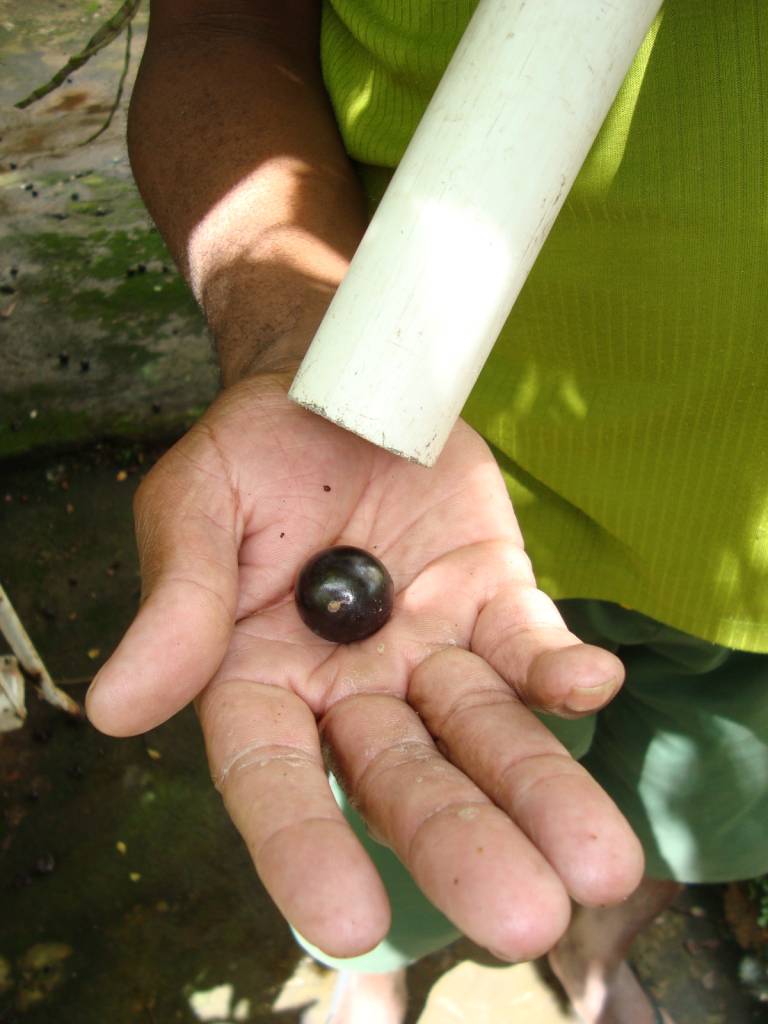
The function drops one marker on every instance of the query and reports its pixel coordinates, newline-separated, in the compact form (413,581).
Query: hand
(425,722)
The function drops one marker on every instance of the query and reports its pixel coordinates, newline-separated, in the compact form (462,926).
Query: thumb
(188,546)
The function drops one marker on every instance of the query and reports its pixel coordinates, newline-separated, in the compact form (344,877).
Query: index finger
(265,759)
(464,853)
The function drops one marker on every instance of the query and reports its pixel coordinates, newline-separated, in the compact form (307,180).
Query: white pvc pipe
(465,216)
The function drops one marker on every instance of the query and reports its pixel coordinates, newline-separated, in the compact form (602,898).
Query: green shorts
(683,750)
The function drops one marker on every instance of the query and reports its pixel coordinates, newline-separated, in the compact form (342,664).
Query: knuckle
(260,757)
(515,560)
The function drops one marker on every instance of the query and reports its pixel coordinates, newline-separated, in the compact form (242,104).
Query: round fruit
(344,594)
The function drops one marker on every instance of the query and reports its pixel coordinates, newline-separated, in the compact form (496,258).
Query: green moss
(62,428)
(20,435)
(104,292)
(96,277)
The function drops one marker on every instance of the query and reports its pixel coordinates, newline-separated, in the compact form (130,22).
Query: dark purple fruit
(344,594)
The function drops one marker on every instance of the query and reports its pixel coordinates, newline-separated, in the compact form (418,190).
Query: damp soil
(125,889)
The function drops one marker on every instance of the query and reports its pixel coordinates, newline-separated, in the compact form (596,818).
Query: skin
(427,723)
(590,958)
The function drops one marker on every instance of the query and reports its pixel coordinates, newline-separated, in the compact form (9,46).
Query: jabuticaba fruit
(344,594)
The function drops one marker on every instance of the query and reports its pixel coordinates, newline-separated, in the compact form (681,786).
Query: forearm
(237,156)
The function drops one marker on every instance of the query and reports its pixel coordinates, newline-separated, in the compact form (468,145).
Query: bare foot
(590,963)
(597,999)
(369,999)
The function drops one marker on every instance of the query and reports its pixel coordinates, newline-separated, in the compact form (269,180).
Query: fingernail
(591,698)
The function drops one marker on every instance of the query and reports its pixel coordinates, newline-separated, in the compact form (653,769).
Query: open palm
(425,722)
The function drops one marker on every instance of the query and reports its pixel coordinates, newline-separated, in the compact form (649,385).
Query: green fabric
(683,750)
(626,397)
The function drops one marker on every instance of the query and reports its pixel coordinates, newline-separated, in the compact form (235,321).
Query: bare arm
(237,156)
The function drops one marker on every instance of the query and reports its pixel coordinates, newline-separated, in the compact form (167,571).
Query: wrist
(279,359)
(253,349)
(263,310)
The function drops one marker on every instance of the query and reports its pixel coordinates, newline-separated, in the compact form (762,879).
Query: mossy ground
(100,336)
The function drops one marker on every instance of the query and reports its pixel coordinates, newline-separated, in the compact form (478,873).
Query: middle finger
(465,853)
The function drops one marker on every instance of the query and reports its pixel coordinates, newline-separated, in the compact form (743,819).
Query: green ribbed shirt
(626,399)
